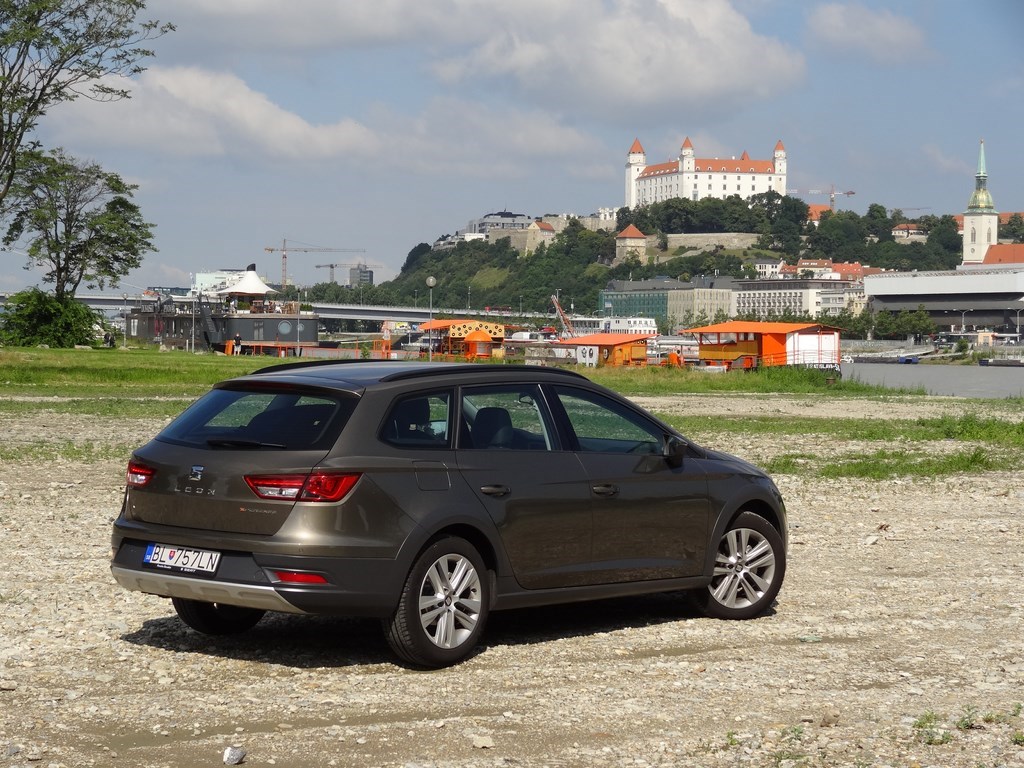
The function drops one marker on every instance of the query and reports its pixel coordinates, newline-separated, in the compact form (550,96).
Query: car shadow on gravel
(320,641)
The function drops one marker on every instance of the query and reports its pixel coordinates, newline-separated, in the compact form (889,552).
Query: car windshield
(261,419)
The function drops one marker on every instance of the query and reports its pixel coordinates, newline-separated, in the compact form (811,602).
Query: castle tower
(686,157)
(635,164)
(981,219)
(780,167)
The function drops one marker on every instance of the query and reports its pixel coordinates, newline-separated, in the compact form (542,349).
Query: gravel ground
(897,641)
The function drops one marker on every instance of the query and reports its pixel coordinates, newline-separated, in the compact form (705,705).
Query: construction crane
(360,265)
(570,331)
(831,192)
(284,255)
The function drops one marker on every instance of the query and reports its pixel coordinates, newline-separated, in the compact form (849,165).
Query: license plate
(182,559)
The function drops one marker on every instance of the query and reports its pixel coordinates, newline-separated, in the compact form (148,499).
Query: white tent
(249,285)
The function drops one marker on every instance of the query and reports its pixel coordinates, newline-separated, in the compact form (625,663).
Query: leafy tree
(945,236)
(32,318)
(76,221)
(52,51)
(1014,228)
(878,223)
(839,236)
(414,257)
(917,323)
(888,326)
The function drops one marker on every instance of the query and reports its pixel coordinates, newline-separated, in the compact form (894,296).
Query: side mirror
(675,449)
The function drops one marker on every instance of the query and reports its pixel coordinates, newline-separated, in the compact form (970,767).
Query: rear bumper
(166,585)
(355,586)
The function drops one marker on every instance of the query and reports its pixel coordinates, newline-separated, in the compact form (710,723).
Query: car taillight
(298,577)
(317,486)
(139,474)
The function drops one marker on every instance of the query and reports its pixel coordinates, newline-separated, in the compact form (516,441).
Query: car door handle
(605,489)
(495,490)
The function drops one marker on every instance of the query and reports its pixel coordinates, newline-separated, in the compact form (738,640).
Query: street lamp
(469,295)
(125,297)
(963,320)
(298,322)
(520,306)
(431,282)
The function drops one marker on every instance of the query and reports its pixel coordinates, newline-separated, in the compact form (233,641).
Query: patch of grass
(658,380)
(930,731)
(970,427)
(784,755)
(68,451)
(105,406)
(884,464)
(793,733)
(790,464)
(124,373)
(1017,738)
(968,720)
(12,598)
(967,428)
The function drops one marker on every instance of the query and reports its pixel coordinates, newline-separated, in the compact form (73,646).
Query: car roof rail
(408,369)
(303,364)
(428,369)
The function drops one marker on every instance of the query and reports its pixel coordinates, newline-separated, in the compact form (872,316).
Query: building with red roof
(599,349)
(747,344)
(694,178)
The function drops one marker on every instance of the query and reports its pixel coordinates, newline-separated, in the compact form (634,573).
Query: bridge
(113,304)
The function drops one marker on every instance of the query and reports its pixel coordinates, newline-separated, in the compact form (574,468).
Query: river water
(955,380)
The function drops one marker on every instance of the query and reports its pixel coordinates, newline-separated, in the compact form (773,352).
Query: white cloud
(454,137)
(947,162)
(193,112)
(605,58)
(307,25)
(637,54)
(882,36)
(196,112)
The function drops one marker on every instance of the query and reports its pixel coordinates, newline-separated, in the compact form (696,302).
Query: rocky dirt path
(897,641)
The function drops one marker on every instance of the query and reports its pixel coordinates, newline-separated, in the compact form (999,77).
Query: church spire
(981,199)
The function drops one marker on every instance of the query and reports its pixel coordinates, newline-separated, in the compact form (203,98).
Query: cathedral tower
(981,219)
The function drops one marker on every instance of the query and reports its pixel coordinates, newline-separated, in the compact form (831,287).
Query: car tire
(443,608)
(216,618)
(750,563)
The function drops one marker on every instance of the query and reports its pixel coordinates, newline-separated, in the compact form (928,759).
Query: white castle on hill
(695,178)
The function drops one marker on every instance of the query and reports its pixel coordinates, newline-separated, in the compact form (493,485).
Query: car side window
(418,421)
(508,417)
(603,426)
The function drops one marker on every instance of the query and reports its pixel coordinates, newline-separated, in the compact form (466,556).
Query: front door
(537,494)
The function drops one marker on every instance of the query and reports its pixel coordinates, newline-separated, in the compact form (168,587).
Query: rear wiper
(227,442)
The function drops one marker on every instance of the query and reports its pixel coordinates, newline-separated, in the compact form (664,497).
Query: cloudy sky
(378,125)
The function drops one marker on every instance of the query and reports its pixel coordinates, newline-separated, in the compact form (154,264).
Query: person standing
(237,350)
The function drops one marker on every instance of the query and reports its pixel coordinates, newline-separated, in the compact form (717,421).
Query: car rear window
(261,419)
